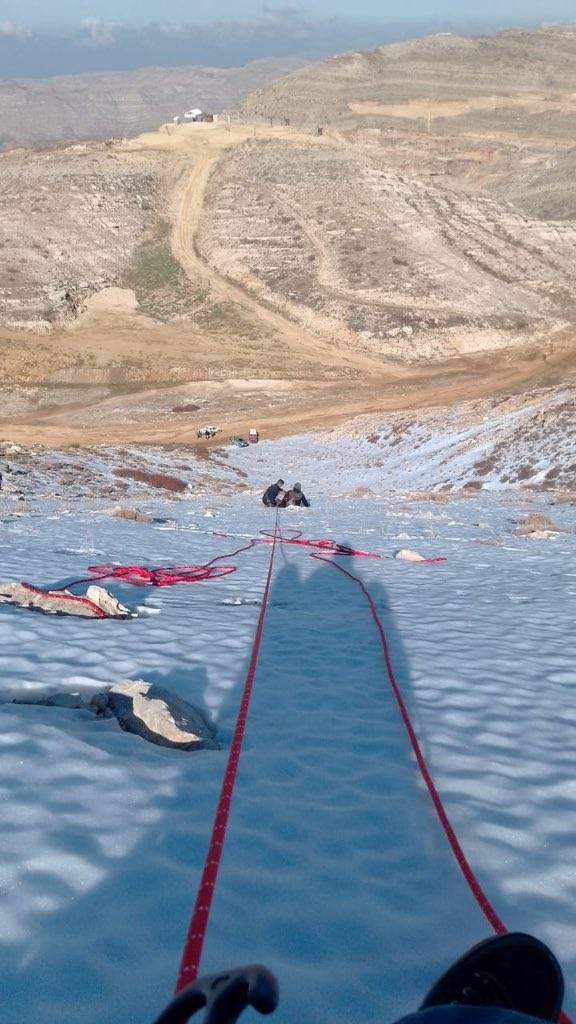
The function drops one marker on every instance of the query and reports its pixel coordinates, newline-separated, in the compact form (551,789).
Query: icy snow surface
(336,873)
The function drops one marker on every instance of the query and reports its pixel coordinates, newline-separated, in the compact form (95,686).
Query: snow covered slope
(336,873)
(524,442)
(527,442)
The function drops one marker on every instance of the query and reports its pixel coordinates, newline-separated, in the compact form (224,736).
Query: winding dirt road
(321,381)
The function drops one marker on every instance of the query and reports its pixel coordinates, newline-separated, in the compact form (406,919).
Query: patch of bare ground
(162,481)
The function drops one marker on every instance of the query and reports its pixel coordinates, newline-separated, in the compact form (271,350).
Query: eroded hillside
(414,266)
(41,111)
(518,81)
(70,220)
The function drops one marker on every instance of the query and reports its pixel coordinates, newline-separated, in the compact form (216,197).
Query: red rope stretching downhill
(197,930)
(477,891)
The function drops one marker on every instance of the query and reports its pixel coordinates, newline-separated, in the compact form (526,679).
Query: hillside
(411,266)
(419,258)
(521,80)
(37,112)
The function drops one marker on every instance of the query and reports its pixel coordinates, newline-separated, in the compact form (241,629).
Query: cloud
(96,32)
(172,28)
(285,10)
(10,29)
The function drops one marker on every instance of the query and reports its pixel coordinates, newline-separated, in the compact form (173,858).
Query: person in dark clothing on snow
(270,496)
(296,497)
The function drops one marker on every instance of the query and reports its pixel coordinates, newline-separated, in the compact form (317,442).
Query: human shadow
(336,873)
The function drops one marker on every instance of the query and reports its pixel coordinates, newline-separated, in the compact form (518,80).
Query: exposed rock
(535,523)
(406,555)
(156,715)
(133,514)
(62,602)
(107,603)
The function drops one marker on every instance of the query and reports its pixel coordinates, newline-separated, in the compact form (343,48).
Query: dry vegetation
(163,481)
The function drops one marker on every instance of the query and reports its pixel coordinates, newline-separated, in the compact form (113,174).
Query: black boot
(512,971)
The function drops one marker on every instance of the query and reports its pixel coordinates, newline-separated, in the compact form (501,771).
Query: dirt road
(302,390)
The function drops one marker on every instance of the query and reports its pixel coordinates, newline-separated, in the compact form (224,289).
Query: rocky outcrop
(156,714)
(132,514)
(406,555)
(536,526)
(141,708)
(98,603)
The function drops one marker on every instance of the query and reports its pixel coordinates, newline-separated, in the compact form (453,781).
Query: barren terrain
(413,268)
(41,111)
(265,273)
(518,81)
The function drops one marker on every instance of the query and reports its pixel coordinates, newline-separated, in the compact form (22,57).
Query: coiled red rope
(141,575)
(324,544)
(163,576)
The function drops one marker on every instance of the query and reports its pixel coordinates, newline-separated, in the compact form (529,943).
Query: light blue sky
(57,13)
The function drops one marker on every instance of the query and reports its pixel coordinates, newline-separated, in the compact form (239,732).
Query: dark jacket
(270,495)
(296,497)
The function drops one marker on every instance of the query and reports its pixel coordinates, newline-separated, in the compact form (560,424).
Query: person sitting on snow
(295,498)
(274,494)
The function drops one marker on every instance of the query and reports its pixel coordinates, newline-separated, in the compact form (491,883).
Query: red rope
(480,896)
(162,576)
(463,863)
(197,929)
(57,595)
(324,544)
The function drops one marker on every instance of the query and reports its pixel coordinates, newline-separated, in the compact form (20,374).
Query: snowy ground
(523,442)
(335,873)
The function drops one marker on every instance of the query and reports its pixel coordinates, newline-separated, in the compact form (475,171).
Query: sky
(50,14)
(40,38)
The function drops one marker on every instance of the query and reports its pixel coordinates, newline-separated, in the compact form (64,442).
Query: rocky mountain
(517,81)
(37,112)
